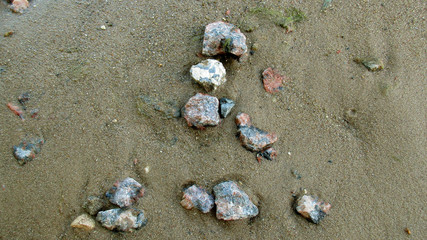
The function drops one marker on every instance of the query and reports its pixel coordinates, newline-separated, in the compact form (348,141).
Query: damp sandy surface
(357,138)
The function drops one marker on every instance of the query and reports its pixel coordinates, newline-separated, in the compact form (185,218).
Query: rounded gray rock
(201,111)
(125,193)
(124,220)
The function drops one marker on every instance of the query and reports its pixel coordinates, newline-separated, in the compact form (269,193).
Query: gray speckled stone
(221,37)
(232,203)
(26,151)
(312,208)
(225,106)
(197,197)
(124,220)
(201,111)
(125,193)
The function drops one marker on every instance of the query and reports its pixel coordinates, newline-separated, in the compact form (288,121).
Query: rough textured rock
(225,106)
(83,221)
(209,73)
(150,106)
(201,110)
(253,138)
(273,81)
(232,203)
(124,220)
(19,6)
(26,151)
(371,63)
(221,37)
(269,154)
(93,204)
(198,197)
(125,193)
(312,208)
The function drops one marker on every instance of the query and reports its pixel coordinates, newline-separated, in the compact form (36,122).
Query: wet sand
(85,80)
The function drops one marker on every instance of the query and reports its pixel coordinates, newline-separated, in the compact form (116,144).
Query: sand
(84,80)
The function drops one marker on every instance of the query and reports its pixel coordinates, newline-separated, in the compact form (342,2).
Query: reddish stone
(251,137)
(273,81)
(269,154)
(201,110)
(221,38)
(312,208)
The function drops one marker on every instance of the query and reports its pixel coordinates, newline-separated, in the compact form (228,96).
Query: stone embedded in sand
(18,6)
(209,73)
(125,193)
(151,106)
(125,220)
(273,81)
(221,37)
(225,106)
(269,154)
(232,203)
(83,221)
(311,208)
(373,64)
(198,197)
(201,110)
(26,151)
(93,204)
(253,138)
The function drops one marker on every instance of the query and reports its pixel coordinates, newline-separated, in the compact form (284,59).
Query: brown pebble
(8,34)
(273,81)
(408,231)
(84,221)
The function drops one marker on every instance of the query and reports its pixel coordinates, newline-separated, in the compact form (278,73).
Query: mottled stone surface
(84,221)
(373,64)
(232,203)
(225,106)
(93,204)
(26,151)
(312,208)
(269,154)
(253,138)
(201,110)
(221,37)
(197,197)
(125,193)
(273,81)
(19,6)
(124,220)
(209,73)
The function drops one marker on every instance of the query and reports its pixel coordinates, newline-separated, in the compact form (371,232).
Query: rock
(252,138)
(221,37)
(269,154)
(148,106)
(311,208)
(18,6)
(225,106)
(26,151)
(273,81)
(125,193)
(371,63)
(83,221)
(198,197)
(16,110)
(232,203)
(201,110)
(125,220)
(209,73)
(93,204)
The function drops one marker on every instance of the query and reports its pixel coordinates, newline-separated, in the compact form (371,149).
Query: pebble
(26,151)
(201,110)
(252,138)
(232,203)
(221,38)
(16,110)
(150,106)
(273,81)
(225,106)
(198,197)
(209,73)
(269,154)
(312,208)
(125,193)
(83,221)
(93,204)
(125,220)
(371,63)
(18,6)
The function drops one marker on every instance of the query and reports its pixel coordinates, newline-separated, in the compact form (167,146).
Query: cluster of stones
(126,218)
(232,203)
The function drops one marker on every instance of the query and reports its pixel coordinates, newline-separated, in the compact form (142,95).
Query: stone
(269,154)
(273,81)
(209,73)
(125,193)
(151,106)
(83,221)
(252,138)
(125,220)
(197,197)
(26,151)
(232,203)
(312,208)
(201,111)
(221,38)
(373,64)
(225,106)
(18,6)
(93,204)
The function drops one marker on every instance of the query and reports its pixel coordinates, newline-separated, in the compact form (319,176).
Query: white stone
(209,73)
(84,221)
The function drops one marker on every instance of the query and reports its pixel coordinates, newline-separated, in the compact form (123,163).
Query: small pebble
(225,106)
(373,64)
(201,111)
(312,208)
(125,193)
(84,221)
(125,220)
(26,151)
(221,38)
(103,27)
(18,6)
(8,34)
(273,81)
(209,73)
(269,154)
(198,197)
(253,138)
